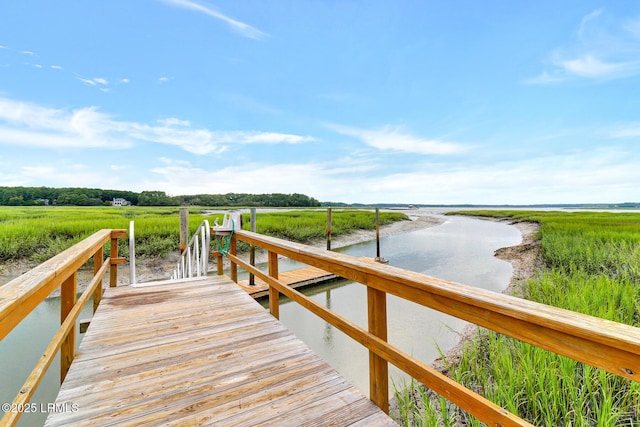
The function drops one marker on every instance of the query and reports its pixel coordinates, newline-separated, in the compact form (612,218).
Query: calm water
(460,250)
(20,351)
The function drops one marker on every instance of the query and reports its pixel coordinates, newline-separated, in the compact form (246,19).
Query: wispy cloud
(242,28)
(33,125)
(97,82)
(603,49)
(631,130)
(390,138)
(313,178)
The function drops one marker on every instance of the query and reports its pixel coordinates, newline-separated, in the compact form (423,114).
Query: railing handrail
(608,345)
(196,254)
(23,294)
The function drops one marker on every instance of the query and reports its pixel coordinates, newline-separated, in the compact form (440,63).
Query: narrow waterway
(461,249)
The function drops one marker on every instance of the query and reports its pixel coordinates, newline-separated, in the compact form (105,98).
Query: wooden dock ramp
(201,352)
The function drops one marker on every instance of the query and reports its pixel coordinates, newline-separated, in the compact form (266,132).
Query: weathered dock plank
(201,353)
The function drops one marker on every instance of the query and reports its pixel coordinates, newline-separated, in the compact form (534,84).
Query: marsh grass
(38,233)
(591,266)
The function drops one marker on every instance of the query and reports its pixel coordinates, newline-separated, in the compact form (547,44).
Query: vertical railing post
(233,268)
(97,264)
(377,234)
(274,294)
(132,254)
(219,263)
(378,367)
(328,229)
(252,249)
(68,291)
(113,270)
(184,229)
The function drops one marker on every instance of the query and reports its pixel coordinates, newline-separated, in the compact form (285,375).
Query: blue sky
(448,102)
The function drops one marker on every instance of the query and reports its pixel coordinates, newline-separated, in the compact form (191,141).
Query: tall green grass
(591,265)
(38,233)
(304,226)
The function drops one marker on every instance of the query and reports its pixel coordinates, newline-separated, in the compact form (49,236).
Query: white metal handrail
(132,255)
(194,261)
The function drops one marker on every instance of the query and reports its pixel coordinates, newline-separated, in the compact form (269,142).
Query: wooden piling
(328,229)
(184,229)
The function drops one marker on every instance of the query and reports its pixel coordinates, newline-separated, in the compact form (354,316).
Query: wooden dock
(201,352)
(299,278)
(302,277)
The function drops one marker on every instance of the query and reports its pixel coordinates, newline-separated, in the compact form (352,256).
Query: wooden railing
(604,344)
(22,295)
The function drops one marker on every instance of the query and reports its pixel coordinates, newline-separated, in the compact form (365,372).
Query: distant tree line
(38,196)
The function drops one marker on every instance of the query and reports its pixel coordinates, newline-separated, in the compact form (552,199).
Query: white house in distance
(119,201)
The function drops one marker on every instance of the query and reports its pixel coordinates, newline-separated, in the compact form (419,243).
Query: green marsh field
(591,264)
(38,233)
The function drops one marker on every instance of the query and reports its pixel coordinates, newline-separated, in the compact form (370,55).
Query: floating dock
(300,278)
(201,352)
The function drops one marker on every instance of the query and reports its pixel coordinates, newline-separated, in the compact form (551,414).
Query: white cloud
(603,49)
(97,82)
(591,67)
(204,141)
(601,175)
(242,28)
(70,175)
(544,78)
(163,79)
(595,175)
(306,178)
(29,124)
(390,138)
(124,81)
(56,67)
(585,27)
(32,125)
(27,52)
(172,121)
